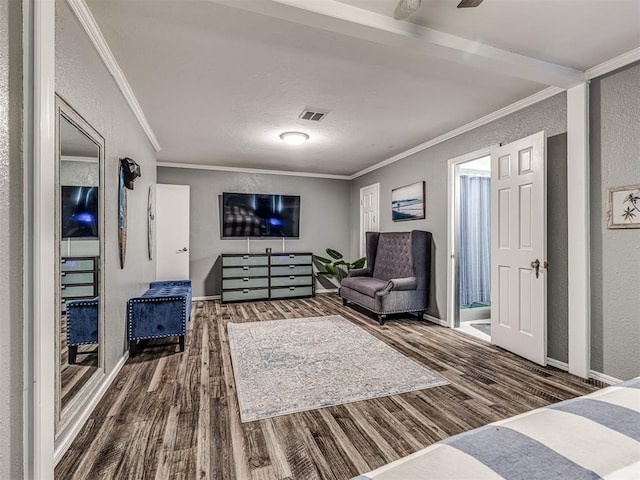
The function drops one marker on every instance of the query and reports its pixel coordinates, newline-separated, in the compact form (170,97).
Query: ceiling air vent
(313,115)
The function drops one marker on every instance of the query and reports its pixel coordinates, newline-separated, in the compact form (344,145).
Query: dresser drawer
(67,291)
(244,260)
(291,270)
(291,259)
(291,280)
(246,271)
(77,264)
(246,294)
(288,292)
(68,278)
(246,282)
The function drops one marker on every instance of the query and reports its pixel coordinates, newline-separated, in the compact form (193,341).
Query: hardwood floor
(172,415)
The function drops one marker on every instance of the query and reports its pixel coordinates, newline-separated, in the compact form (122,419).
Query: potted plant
(336,266)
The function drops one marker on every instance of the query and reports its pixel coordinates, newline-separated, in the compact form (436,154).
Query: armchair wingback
(396,276)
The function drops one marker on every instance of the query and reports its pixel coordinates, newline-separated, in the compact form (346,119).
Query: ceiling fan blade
(469,3)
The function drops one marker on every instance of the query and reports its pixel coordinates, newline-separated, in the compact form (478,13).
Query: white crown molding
(503,112)
(613,64)
(90,25)
(252,170)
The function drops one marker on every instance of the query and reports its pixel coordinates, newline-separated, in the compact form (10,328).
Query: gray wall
(11,242)
(324,217)
(431,165)
(84,82)
(615,254)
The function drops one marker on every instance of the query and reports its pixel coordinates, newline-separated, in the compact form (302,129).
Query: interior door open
(369,213)
(519,248)
(172,232)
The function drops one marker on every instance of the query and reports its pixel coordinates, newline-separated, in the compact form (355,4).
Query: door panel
(172,232)
(369,206)
(518,199)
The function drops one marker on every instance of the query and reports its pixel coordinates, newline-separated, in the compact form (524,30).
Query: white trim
(503,112)
(205,298)
(604,377)
(452,273)
(436,320)
(552,362)
(65,440)
(362,247)
(613,64)
(68,158)
(578,258)
(221,168)
(90,25)
(326,290)
(43,298)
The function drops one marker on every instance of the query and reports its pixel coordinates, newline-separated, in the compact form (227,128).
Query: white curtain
(475,239)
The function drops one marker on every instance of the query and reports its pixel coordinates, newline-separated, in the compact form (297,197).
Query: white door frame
(453,310)
(362,249)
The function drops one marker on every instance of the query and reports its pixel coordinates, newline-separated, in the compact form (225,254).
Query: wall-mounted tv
(79,212)
(260,215)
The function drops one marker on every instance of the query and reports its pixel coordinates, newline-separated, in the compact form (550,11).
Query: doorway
(369,213)
(470,244)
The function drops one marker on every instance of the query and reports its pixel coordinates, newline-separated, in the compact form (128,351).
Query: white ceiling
(219,81)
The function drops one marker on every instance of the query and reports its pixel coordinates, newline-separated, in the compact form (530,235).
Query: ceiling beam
(340,18)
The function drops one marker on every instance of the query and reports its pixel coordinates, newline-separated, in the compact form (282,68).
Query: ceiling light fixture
(294,138)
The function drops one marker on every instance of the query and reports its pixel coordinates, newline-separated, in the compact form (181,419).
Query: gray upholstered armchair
(396,276)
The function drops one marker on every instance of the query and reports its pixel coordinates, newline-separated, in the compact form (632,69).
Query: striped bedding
(590,437)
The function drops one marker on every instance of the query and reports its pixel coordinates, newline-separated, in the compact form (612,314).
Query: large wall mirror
(79,261)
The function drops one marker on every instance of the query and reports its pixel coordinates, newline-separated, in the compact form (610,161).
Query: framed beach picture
(407,203)
(624,207)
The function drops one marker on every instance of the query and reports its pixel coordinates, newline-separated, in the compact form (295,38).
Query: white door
(172,232)
(369,206)
(519,247)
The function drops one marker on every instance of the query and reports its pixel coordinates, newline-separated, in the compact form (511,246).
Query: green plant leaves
(359,263)
(334,254)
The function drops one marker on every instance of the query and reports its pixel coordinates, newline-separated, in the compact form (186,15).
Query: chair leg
(132,348)
(381,318)
(181,341)
(73,352)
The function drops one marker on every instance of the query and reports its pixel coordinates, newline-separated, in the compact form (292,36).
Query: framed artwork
(624,207)
(151,222)
(407,203)
(122,216)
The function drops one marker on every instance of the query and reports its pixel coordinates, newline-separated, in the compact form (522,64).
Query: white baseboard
(326,290)
(552,362)
(608,379)
(436,320)
(64,442)
(206,297)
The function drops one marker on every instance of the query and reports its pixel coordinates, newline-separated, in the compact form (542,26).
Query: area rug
(293,365)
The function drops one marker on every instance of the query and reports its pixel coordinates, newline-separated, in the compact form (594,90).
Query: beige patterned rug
(293,365)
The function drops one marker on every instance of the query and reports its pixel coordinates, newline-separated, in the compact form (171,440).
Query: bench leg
(344,302)
(381,318)
(132,348)
(181,341)
(73,352)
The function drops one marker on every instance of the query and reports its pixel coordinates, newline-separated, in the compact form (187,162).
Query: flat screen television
(260,215)
(79,212)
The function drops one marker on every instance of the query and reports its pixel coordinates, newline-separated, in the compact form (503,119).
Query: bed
(589,437)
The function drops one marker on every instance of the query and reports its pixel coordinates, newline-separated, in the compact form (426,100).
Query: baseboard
(64,442)
(608,379)
(326,290)
(436,320)
(206,297)
(552,362)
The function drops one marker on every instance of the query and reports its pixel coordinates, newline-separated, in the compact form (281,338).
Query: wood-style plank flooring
(173,415)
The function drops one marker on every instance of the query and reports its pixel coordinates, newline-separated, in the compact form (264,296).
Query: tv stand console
(261,276)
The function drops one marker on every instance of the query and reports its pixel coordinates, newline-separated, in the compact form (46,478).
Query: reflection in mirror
(80,234)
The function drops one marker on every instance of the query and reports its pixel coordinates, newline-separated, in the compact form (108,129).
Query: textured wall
(615,254)
(84,82)
(431,165)
(324,219)
(11,231)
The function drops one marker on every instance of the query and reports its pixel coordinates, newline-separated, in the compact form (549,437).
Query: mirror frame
(65,416)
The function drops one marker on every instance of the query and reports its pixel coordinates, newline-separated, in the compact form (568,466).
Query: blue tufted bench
(162,311)
(82,325)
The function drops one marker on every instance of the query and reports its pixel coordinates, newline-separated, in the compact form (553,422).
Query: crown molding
(221,168)
(88,22)
(503,112)
(613,64)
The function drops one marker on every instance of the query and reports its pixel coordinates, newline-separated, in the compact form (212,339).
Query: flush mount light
(294,138)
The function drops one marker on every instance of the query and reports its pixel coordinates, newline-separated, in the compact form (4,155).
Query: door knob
(182,250)
(536,266)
